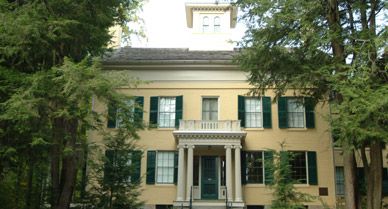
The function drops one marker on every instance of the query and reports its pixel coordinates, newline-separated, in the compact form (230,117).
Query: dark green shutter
(108,166)
(139,109)
(136,161)
(309,111)
(282,112)
(267,120)
(385,181)
(112,113)
(178,110)
(312,168)
(243,167)
(151,161)
(268,167)
(154,105)
(241,110)
(175,167)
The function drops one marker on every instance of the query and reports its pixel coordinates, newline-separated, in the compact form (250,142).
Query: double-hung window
(254,112)
(303,166)
(165,167)
(339,181)
(131,111)
(296,112)
(205,24)
(210,109)
(166,117)
(165,112)
(162,167)
(217,24)
(254,169)
(299,167)
(122,166)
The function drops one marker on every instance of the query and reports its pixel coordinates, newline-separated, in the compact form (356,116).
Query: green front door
(209,185)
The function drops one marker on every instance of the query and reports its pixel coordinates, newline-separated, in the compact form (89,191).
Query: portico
(218,146)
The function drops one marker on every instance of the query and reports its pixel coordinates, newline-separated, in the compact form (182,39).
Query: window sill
(164,185)
(253,185)
(166,129)
(254,129)
(297,129)
(303,185)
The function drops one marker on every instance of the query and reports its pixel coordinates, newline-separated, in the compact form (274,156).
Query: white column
(181,173)
(229,171)
(237,174)
(189,171)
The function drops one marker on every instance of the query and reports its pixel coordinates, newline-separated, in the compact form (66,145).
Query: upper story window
(132,112)
(166,111)
(166,117)
(254,112)
(296,112)
(205,24)
(210,109)
(217,24)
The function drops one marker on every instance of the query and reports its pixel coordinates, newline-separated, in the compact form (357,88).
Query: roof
(129,55)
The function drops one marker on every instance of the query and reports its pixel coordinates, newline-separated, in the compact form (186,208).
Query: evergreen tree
(45,97)
(326,49)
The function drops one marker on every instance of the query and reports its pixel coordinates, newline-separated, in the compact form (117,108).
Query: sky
(165,25)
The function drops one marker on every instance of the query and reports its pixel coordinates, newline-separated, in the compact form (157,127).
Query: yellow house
(211,139)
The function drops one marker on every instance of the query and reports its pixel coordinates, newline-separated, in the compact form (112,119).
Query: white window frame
(338,178)
(262,170)
(130,103)
(260,120)
(218,107)
(293,118)
(217,24)
(205,24)
(171,168)
(171,123)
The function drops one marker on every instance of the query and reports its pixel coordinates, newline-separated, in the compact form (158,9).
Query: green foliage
(115,185)
(36,35)
(62,93)
(285,195)
(331,51)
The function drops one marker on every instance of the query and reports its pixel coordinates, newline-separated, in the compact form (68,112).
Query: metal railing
(226,198)
(191,198)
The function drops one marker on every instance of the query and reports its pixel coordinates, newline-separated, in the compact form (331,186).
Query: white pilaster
(229,172)
(181,173)
(190,156)
(237,174)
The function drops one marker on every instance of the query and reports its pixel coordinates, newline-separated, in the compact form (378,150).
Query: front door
(209,185)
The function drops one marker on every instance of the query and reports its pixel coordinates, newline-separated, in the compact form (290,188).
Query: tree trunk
(29,191)
(375,175)
(69,167)
(350,179)
(55,154)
